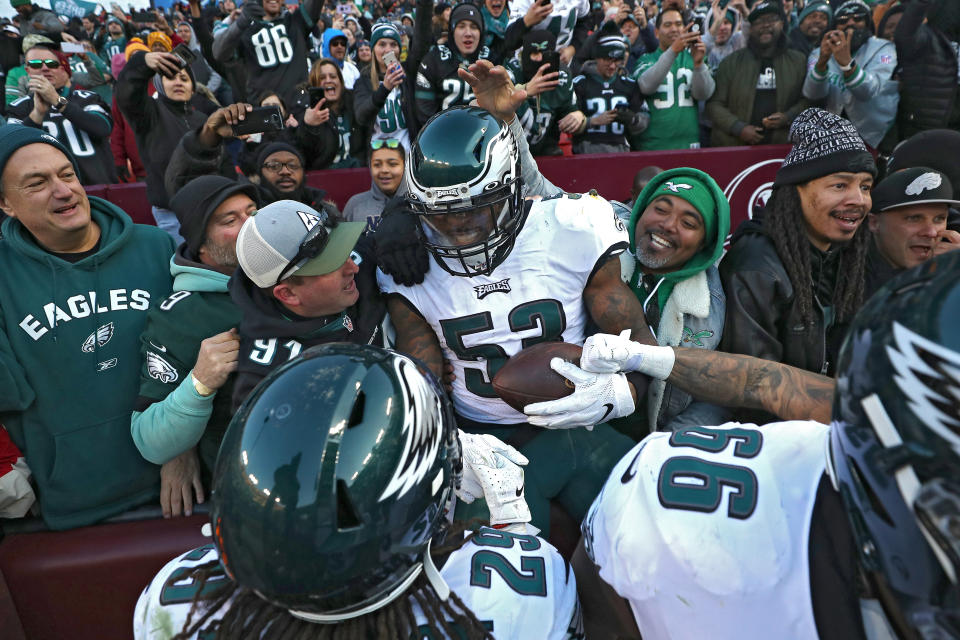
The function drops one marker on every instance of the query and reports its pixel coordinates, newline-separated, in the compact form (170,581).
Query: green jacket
(68,363)
(731,107)
(170,417)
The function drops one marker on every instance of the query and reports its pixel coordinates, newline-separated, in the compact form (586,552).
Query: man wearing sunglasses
(79,119)
(304,280)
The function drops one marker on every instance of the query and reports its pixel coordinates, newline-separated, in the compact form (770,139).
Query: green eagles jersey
(343,159)
(169,348)
(674,117)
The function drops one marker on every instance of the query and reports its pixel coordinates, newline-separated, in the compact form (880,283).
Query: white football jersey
(561,21)
(535,295)
(518,586)
(705,531)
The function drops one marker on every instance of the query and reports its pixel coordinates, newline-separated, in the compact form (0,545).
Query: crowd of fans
(112,328)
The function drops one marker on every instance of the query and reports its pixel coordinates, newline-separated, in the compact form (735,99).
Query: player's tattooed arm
(736,380)
(613,306)
(415,337)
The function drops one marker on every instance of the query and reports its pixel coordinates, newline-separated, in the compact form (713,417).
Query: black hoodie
(270,334)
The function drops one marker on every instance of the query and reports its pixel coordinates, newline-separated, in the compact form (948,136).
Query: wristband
(203,390)
(848,67)
(656,362)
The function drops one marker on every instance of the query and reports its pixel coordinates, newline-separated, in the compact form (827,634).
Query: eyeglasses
(51,63)
(275,165)
(310,247)
(389,143)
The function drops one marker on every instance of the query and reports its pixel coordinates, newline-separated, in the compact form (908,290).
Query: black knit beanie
(196,201)
(823,143)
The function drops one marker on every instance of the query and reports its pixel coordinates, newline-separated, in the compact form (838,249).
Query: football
(527,377)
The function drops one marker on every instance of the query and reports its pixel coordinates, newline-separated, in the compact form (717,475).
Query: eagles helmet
(332,481)
(895,446)
(463,182)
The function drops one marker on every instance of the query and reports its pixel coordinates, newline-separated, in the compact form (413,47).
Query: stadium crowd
(127,350)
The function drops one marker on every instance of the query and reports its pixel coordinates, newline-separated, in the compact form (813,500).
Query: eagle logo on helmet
(98,338)
(928,374)
(422,430)
(160,369)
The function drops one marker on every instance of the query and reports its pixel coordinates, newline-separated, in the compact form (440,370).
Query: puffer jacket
(763,318)
(928,73)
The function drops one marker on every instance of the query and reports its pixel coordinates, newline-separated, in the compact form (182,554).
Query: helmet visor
(464,228)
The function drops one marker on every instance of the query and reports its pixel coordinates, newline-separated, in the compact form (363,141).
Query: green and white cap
(288,238)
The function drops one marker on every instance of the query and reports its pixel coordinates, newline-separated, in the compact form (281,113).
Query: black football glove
(625,116)
(399,251)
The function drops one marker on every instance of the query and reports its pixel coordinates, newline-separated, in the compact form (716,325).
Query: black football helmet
(895,446)
(333,480)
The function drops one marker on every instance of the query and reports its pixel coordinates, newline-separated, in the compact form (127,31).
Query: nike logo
(157,347)
(609,408)
(520,491)
(632,467)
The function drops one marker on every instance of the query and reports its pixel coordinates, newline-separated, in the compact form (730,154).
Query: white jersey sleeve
(705,531)
(518,586)
(164,605)
(534,295)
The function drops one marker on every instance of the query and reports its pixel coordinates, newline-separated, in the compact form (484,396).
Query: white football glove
(597,397)
(606,353)
(491,470)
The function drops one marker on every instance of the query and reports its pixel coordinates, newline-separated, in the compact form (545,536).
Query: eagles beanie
(687,184)
(823,143)
(935,148)
(196,201)
(814,7)
(384,30)
(15,136)
(19,3)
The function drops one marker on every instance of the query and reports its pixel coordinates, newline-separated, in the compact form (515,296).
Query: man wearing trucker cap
(304,279)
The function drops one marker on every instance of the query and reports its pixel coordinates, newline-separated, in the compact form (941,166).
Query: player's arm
(415,337)
(727,379)
(613,306)
(605,614)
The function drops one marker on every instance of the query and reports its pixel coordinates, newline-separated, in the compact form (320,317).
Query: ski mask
(538,40)
(859,10)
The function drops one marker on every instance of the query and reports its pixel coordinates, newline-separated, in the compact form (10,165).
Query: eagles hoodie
(70,359)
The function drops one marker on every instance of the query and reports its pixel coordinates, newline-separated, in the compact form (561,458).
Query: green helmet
(895,446)
(333,479)
(463,181)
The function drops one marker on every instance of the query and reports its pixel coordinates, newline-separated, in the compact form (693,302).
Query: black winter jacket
(158,123)
(763,317)
(928,73)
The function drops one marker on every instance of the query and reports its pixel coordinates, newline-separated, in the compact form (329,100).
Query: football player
(272,43)
(508,273)
(794,529)
(330,521)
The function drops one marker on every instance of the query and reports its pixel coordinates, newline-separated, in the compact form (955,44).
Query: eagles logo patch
(160,369)
(98,338)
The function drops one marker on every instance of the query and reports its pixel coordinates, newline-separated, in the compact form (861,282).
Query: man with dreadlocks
(794,277)
(330,520)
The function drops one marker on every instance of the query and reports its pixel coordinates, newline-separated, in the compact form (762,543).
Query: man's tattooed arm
(613,306)
(736,380)
(415,337)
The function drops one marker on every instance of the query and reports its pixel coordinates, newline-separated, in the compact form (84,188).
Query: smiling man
(909,223)
(79,278)
(795,278)
(678,226)
(304,280)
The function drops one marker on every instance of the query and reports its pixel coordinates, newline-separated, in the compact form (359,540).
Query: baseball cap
(288,238)
(917,185)
(765,7)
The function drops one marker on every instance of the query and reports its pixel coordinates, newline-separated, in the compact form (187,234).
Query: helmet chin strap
(427,567)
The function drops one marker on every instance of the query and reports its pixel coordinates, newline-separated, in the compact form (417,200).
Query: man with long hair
(794,278)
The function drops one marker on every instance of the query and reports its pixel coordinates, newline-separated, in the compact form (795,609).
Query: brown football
(527,377)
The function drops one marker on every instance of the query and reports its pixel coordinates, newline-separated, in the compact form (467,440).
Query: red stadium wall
(744,173)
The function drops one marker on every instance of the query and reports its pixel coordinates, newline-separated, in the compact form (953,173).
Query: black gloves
(400,253)
(624,115)
(251,11)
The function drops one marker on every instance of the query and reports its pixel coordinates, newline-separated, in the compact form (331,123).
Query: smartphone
(316,94)
(544,3)
(553,59)
(260,120)
(143,16)
(187,55)
(72,47)
(344,9)
(390,59)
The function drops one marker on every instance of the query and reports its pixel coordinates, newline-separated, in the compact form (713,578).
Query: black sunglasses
(51,63)
(310,247)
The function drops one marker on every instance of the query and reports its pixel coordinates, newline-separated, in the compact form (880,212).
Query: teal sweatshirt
(69,345)
(170,417)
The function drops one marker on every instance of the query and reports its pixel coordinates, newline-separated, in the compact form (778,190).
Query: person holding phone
(383,95)
(330,135)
